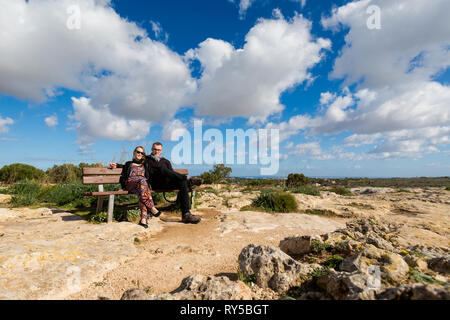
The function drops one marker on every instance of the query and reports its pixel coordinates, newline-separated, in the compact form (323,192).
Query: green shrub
(448,188)
(341,191)
(20,172)
(100,217)
(276,202)
(216,175)
(307,189)
(295,180)
(68,193)
(64,173)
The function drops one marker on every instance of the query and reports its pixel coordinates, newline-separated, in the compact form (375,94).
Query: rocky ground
(376,244)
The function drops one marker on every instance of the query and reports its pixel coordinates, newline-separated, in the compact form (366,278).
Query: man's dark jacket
(155,177)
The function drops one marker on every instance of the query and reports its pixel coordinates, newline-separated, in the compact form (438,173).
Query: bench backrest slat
(107,175)
(101,171)
(100,179)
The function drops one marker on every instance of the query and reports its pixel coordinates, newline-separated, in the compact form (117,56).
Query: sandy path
(208,248)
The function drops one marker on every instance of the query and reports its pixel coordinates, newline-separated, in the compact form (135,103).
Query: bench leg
(110,208)
(192,199)
(99,204)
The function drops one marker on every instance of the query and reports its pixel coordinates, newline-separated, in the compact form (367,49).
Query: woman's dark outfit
(134,180)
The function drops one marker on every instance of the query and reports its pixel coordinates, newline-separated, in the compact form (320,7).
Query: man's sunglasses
(156,149)
(139,152)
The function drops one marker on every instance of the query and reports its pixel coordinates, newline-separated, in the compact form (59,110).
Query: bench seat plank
(107,193)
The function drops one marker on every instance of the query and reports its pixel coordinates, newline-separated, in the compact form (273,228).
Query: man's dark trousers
(169,179)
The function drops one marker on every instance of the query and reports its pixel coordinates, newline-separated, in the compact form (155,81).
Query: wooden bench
(101,176)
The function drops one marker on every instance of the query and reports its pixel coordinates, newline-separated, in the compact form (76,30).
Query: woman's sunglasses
(139,152)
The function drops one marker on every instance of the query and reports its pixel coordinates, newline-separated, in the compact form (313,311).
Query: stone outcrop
(346,286)
(198,287)
(299,245)
(440,264)
(392,265)
(271,267)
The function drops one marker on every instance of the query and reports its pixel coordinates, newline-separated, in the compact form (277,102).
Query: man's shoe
(194,181)
(190,218)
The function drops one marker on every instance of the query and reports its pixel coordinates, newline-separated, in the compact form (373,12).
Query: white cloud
(4,123)
(109,59)
(51,121)
(159,32)
(243,6)
(248,82)
(171,127)
(96,123)
(396,104)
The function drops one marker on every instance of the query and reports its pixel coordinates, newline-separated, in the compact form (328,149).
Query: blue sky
(355,88)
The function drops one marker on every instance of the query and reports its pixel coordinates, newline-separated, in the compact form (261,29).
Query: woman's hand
(113,165)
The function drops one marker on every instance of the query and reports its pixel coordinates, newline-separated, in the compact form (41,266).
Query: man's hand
(113,165)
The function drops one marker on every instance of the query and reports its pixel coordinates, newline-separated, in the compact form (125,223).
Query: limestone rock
(415,292)
(135,294)
(271,267)
(198,287)
(378,242)
(346,286)
(416,262)
(298,245)
(392,265)
(440,264)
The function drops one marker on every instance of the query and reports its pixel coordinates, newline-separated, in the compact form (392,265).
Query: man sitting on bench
(162,176)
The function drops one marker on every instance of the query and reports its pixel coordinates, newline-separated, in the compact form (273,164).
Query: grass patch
(318,247)
(333,262)
(418,276)
(308,189)
(342,191)
(320,212)
(247,280)
(276,201)
(361,206)
(318,272)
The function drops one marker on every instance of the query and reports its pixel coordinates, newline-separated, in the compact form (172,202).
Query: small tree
(64,173)
(297,180)
(217,174)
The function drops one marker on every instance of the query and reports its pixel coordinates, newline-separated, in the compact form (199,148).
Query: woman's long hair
(143,156)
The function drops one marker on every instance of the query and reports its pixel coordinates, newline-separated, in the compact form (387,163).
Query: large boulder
(198,287)
(347,286)
(135,294)
(440,264)
(298,245)
(271,267)
(392,265)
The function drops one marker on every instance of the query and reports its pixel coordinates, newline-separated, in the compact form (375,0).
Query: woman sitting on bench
(134,178)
